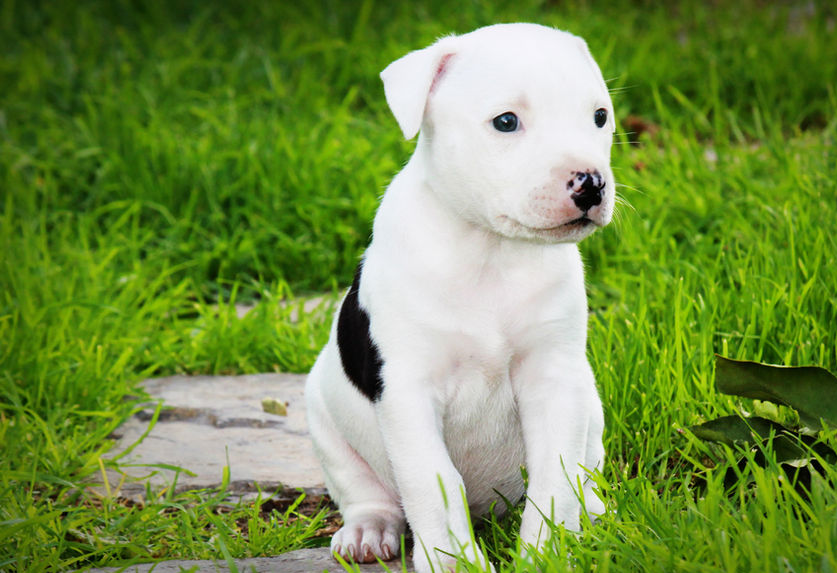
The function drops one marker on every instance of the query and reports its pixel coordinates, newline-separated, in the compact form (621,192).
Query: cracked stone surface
(208,422)
(301,561)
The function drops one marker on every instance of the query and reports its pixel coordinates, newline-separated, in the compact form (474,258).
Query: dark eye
(506,122)
(600,117)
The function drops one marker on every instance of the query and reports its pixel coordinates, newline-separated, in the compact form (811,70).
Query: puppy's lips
(582,221)
(574,225)
(567,230)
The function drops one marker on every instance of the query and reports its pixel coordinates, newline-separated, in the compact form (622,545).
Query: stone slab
(300,561)
(309,305)
(209,422)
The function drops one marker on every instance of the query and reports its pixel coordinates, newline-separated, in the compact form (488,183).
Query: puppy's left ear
(409,81)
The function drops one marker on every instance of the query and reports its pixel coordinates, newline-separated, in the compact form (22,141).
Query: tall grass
(161,162)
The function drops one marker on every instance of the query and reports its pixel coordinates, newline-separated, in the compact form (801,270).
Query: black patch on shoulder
(358,352)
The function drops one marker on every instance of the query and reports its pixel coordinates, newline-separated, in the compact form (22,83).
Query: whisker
(631,138)
(621,201)
(620,216)
(634,189)
(621,89)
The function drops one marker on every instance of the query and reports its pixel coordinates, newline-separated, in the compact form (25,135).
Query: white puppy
(458,354)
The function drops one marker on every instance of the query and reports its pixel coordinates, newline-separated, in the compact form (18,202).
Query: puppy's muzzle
(586,189)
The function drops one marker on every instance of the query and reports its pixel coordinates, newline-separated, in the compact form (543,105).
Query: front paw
(536,528)
(534,533)
(594,507)
(438,561)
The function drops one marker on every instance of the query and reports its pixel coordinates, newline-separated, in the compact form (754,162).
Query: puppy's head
(516,127)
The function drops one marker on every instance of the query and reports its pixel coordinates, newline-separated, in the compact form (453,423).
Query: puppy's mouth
(571,231)
(570,226)
(582,221)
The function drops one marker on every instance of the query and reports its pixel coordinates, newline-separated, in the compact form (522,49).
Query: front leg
(562,421)
(431,489)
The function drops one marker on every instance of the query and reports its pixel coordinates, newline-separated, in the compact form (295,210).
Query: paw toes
(367,542)
(346,542)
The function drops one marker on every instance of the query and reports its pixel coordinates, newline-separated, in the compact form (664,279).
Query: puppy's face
(517,125)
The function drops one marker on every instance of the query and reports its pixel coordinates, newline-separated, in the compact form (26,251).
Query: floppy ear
(409,81)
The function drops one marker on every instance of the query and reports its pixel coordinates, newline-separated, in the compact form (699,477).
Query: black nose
(587,189)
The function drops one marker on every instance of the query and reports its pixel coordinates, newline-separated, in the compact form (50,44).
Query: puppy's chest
(475,337)
(478,410)
(472,376)
(480,420)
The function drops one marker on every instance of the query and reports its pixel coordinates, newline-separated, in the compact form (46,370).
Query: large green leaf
(788,446)
(732,430)
(810,390)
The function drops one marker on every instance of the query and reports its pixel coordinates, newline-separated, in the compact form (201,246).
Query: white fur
(475,291)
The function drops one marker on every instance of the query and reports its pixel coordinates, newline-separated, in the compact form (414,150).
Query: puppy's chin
(568,232)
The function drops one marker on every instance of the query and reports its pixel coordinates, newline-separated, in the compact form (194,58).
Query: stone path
(302,561)
(207,423)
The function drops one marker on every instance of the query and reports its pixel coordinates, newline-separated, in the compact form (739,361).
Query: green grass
(159,164)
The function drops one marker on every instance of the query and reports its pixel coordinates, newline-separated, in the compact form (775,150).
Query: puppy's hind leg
(372,530)
(372,515)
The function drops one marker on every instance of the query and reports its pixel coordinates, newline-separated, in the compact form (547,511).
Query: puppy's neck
(415,204)
(416,228)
